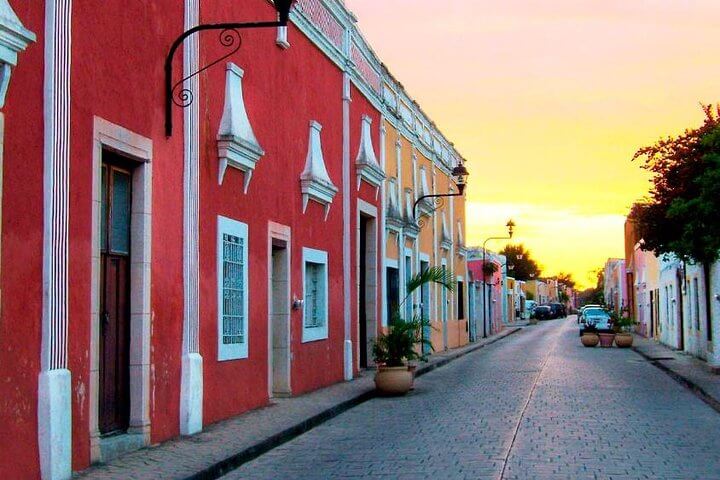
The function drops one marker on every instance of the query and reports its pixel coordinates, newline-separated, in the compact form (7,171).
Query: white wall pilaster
(347,283)
(191,384)
(54,383)
(383,230)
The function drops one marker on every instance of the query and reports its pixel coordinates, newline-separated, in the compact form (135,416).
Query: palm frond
(439,275)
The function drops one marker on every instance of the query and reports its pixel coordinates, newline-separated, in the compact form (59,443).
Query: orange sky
(548,100)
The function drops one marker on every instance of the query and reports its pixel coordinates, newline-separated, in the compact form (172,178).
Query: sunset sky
(548,100)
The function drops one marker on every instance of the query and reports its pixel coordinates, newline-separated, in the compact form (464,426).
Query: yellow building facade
(418,161)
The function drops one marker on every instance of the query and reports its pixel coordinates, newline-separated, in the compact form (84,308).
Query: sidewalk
(224,446)
(685,369)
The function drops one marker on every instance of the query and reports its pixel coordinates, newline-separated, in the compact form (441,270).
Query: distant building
(615,282)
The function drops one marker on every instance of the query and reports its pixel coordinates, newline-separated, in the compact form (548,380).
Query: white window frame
(239,229)
(312,334)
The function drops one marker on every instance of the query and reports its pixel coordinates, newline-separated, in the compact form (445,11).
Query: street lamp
(229,37)
(459,175)
(511,227)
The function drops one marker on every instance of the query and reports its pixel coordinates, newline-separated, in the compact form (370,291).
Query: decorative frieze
(237,146)
(315,183)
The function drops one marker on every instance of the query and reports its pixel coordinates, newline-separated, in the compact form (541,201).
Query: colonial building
(615,284)
(668,299)
(488,296)
(161,273)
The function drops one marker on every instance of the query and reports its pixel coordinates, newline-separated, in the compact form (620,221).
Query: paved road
(536,405)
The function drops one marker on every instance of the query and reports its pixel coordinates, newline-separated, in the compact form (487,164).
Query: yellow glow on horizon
(548,101)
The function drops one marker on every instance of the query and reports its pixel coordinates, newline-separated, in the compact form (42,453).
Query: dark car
(558,310)
(543,312)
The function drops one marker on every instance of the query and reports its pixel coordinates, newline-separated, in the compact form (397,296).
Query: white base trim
(191,394)
(55,424)
(348,363)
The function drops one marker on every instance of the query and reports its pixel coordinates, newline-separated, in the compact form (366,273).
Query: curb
(229,464)
(696,389)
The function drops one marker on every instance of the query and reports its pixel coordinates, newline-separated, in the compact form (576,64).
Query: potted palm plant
(622,326)
(405,338)
(590,336)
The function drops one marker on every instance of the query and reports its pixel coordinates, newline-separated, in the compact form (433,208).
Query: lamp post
(229,37)
(459,174)
(510,226)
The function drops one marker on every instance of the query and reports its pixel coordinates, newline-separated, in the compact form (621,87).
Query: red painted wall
(117,75)
(127,89)
(21,265)
(284,90)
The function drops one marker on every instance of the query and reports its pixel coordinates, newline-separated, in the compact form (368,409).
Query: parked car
(558,310)
(543,312)
(580,317)
(597,317)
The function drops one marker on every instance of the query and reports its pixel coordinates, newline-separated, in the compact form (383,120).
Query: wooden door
(114,372)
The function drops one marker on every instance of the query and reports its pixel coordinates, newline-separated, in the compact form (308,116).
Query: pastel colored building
(489,307)
(538,291)
(667,297)
(615,284)
(418,161)
(153,284)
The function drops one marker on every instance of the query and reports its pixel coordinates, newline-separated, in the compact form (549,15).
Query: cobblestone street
(537,405)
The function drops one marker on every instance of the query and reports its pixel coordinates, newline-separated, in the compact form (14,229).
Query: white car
(580,317)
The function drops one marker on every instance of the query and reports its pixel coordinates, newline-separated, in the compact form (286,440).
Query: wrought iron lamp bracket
(229,37)
(437,202)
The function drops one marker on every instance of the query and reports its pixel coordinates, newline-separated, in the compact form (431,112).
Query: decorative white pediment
(425,206)
(315,182)
(445,239)
(14,38)
(393,217)
(237,145)
(462,250)
(411,227)
(366,164)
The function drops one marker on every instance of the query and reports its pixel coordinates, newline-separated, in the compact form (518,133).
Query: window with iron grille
(232,289)
(315,282)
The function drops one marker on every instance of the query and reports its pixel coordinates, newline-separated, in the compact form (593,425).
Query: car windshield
(597,315)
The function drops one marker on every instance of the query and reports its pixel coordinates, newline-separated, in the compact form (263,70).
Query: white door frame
(108,136)
(372,280)
(282,233)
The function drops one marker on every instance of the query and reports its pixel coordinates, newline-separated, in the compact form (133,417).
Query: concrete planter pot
(606,339)
(590,339)
(624,340)
(393,380)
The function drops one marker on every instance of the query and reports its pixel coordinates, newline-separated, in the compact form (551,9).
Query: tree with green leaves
(524,267)
(566,279)
(681,215)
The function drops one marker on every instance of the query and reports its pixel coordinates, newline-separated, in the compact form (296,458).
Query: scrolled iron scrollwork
(432,204)
(183,96)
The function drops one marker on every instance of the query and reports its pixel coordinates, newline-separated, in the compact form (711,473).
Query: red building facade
(152,285)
